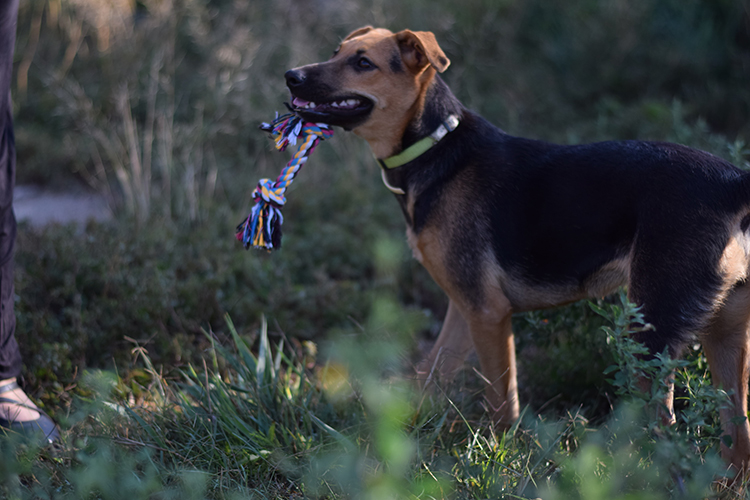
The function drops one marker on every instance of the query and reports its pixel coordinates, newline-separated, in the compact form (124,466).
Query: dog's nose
(294,78)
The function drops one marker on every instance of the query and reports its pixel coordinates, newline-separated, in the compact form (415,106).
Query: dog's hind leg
(450,350)
(678,291)
(727,347)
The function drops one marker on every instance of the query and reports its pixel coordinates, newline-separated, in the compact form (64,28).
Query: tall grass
(261,419)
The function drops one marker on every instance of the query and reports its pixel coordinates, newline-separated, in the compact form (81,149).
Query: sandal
(43,426)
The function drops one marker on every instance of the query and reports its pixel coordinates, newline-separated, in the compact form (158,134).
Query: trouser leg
(10,357)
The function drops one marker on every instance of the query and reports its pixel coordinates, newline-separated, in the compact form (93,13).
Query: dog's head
(373,84)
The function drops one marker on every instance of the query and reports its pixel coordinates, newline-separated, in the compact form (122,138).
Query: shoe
(44,427)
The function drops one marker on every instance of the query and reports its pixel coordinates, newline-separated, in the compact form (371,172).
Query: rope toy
(262,227)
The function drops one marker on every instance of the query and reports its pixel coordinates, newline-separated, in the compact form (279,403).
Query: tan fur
(397,96)
(526,296)
(449,351)
(727,347)
(608,278)
(734,260)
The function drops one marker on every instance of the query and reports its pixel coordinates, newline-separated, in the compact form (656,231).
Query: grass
(263,420)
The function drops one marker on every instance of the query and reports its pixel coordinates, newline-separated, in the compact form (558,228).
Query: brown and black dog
(505,224)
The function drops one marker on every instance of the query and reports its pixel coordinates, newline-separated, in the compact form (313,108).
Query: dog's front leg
(493,339)
(450,350)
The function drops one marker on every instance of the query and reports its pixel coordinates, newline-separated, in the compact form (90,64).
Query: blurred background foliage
(156,103)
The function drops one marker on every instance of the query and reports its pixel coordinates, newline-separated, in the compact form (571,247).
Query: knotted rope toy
(262,227)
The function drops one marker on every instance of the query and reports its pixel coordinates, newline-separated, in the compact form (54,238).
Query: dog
(505,224)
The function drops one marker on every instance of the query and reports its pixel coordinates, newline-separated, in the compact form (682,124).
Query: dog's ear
(418,48)
(358,32)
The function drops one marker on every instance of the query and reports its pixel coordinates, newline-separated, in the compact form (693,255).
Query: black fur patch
(745,224)
(553,215)
(395,63)
(439,104)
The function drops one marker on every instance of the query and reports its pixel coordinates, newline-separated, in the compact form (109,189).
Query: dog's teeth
(312,105)
(348,103)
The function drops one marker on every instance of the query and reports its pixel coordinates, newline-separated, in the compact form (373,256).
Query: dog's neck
(439,104)
(438,108)
(435,104)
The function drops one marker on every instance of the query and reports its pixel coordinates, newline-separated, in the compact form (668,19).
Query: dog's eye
(365,63)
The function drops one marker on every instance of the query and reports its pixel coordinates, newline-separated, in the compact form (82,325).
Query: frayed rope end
(262,227)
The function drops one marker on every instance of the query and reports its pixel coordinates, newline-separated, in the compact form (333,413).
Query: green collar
(422,146)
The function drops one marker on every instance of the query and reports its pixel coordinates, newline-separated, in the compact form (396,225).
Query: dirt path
(40,206)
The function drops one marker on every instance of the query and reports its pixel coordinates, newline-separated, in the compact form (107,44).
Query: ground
(40,206)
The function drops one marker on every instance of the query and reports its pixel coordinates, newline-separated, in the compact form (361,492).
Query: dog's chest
(412,240)
(429,250)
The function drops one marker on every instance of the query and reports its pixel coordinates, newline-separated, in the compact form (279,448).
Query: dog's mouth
(347,111)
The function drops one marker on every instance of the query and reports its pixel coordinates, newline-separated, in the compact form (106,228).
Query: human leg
(17,411)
